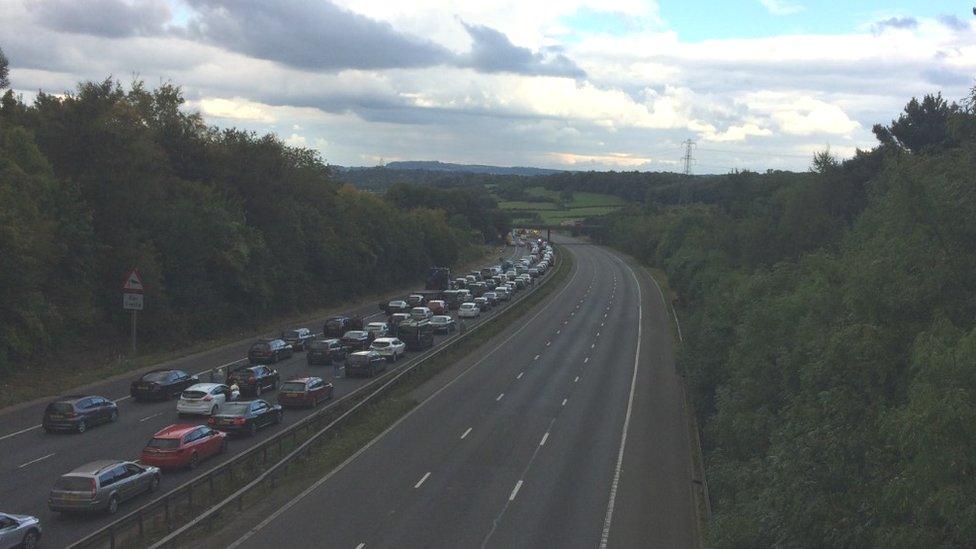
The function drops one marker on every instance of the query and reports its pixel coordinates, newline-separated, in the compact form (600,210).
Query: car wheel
(223,447)
(82,427)
(30,540)
(257,389)
(278,417)
(113,505)
(154,483)
(213,411)
(48,430)
(252,429)
(194,461)
(114,416)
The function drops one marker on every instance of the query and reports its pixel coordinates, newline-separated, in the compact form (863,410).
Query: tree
(4,70)
(922,126)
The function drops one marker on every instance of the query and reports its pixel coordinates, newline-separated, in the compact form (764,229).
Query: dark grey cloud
(906,22)
(953,22)
(309,34)
(492,51)
(108,18)
(946,77)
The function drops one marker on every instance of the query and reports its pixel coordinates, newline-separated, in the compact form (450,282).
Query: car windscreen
(335,323)
(440,319)
(293,387)
(260,347)
(355,335)
(60,408)
(164,443)
(73,484)
(358,359)
(235,408)
(381,344)
(318,345)
(193,394)
(294,334)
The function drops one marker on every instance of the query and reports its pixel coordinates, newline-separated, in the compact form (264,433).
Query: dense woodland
(227,228)
(830,337)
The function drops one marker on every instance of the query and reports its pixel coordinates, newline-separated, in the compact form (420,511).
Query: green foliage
(830,338)
(227,228)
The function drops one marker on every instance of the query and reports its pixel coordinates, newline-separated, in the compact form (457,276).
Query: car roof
(176,430)
(300,380)
(446,317)
(377,324)
(95,467)
(387,339)
(361,353)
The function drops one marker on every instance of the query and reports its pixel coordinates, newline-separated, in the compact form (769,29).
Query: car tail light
(251,379)
(93,488)
(208,398)
(239,421)
(211,420)
(71,414)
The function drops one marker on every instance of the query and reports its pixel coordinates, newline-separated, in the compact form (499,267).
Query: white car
(205,398)
(390,348)
(19,531)
(469,310)
(503,293)
(421,313)
(378,329)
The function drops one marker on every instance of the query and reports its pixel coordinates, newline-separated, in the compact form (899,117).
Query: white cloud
(235,109)
(782,7)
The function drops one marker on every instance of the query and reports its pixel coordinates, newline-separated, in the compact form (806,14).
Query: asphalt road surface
(32,460)
(567,430)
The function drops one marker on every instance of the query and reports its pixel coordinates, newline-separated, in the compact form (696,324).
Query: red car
(183,445)
(306,391)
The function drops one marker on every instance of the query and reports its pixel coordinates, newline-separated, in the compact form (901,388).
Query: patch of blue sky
(698,20)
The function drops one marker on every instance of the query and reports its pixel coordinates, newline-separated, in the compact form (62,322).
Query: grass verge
(702,505)
(329,451)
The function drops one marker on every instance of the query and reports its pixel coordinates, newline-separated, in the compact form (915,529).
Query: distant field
(554,211)
(517,205)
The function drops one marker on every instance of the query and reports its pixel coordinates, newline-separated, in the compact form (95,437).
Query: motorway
(566,430)
(32,460)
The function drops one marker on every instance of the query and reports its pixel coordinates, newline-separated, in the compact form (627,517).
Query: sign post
(132,299)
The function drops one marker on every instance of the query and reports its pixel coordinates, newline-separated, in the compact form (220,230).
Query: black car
(254,380)
(417,334)
(299,339)
(337,325)
(356,340)
(452,300)
(269,351)
(246,417)
(161,384)
(78,413)
(324,351)
(365,363)
(415,300)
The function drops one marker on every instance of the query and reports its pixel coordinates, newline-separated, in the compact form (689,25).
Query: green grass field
(553,212)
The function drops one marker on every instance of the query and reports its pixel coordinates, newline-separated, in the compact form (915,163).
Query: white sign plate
(132,302)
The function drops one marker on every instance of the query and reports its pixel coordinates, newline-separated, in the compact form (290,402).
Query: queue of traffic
(231,401)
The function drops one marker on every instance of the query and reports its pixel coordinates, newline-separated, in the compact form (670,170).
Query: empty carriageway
(523,448)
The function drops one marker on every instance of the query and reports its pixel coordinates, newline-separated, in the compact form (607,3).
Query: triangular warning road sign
(133,282)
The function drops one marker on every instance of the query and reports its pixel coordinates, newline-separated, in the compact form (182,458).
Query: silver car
(101,486)
(19,531)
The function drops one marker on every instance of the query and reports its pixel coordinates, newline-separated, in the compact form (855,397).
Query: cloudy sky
(573,84)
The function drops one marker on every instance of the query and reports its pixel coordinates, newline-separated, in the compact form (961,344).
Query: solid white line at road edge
(466,433)
(289,504)
(605,536)
(515,491)
(422,479)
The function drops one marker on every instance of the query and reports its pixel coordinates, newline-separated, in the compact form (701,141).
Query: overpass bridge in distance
(574,229)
